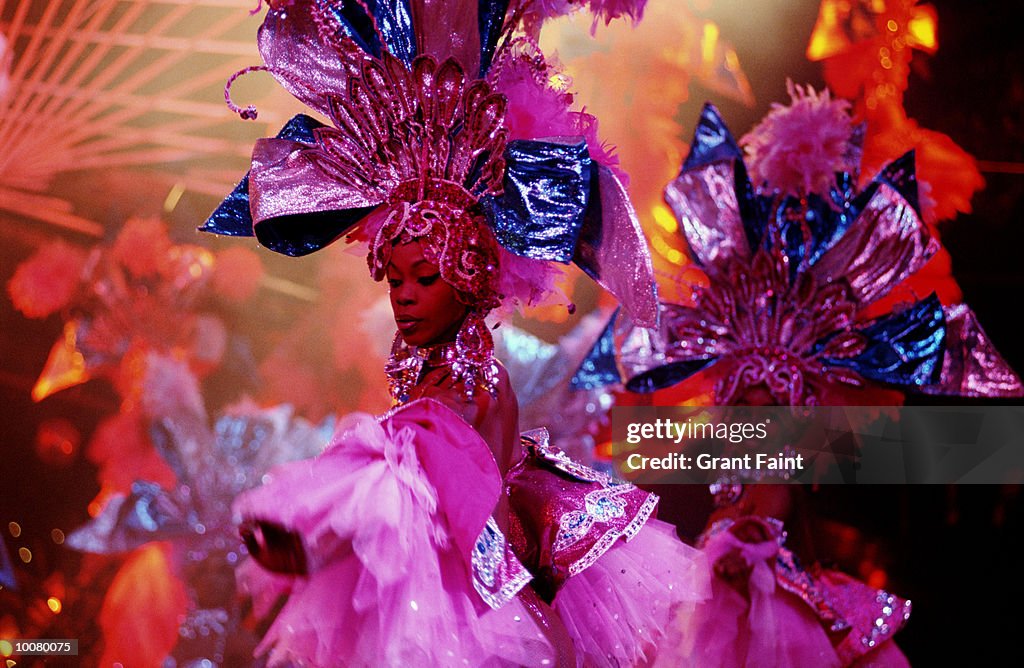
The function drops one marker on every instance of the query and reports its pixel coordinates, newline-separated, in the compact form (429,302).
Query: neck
(469,359)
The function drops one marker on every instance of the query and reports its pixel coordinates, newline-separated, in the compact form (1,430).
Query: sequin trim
(494,563)
(606,541)
(600,505)
(536,441)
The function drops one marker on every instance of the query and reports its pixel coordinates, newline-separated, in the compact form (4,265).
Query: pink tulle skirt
(780,615)
(381,514)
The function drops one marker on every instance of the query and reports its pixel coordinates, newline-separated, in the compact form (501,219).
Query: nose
(403,295)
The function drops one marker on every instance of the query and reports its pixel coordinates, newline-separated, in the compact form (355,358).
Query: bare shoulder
(479,406)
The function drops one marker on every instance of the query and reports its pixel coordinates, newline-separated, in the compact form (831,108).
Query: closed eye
(428,280)
(394,283)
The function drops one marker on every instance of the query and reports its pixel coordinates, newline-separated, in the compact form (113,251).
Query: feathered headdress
(792,269)
(425,145)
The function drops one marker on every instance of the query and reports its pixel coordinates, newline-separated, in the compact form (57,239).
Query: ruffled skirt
(398,571)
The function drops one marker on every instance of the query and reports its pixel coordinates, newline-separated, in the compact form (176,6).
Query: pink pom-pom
(535,107)
(540,105)
(46,282)
(141,247)
(237,273)
(797,150)
(526,282)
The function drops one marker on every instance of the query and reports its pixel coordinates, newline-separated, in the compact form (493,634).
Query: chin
(415,339)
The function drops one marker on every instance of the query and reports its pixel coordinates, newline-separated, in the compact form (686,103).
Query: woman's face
(426,308)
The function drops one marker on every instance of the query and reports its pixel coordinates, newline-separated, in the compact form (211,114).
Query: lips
(406,323)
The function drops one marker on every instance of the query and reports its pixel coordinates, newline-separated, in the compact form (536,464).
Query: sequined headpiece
(420,148)
(454,237)
(790,279)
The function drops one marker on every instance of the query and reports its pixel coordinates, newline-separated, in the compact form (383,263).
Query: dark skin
(428,312)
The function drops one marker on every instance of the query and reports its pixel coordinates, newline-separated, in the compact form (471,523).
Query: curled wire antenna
(248,113)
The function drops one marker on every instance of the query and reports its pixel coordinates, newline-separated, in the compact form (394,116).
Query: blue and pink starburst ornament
(793,269)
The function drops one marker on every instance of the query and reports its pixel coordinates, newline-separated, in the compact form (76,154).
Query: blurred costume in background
(796,260)
(412,539)
(141,313)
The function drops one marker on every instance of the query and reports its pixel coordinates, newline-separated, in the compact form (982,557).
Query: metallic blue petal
(546,189)
(755,210)
(667,375)
(305,233)
(233,218)
(899,174)
(812,225)
(393,18)
(905,348)
(712,141)
(491,19)
(599,368)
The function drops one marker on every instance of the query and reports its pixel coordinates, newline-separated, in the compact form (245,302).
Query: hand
(277,549)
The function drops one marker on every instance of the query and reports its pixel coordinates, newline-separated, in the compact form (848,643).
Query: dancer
(433,535)
(798,263)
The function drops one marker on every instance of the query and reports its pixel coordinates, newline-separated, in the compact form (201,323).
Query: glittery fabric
(390,21)
(412,125)
(290,43)
(887,244)
(613,250)
(598,368)
(451,28)
(872,615)
(565,516)
(903,349)
(490,21)
(497,574)
(705,206)
(789,283)
(233,217)
(539,213)
(972,367)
